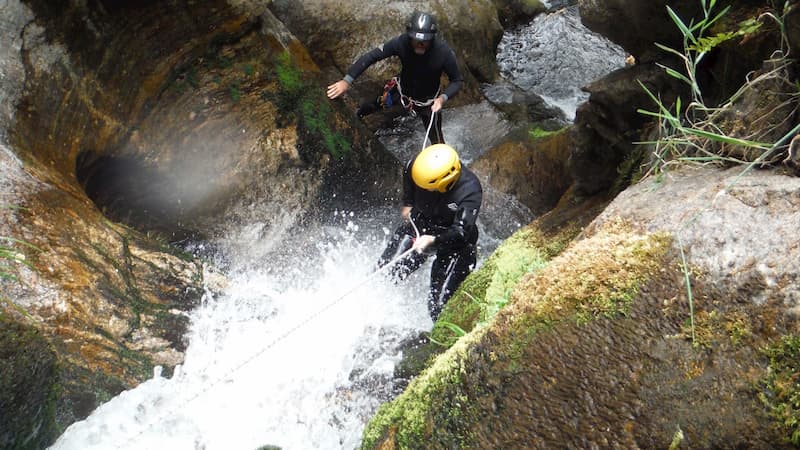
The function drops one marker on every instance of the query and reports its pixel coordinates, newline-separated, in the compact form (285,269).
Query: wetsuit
(450,217)
(419,77)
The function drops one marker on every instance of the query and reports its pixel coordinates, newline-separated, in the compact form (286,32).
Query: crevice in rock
(128,191)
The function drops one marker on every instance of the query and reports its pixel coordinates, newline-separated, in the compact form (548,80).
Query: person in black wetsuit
(442,199)
(424,58)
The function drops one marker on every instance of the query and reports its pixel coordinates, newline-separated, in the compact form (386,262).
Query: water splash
(298,361)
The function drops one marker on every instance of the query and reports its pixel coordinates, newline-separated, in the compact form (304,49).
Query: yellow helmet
(436,168)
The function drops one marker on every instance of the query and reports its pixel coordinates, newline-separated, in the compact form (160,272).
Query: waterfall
(299,351)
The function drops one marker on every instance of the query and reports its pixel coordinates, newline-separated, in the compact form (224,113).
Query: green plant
(537,132)
(307,103)
(455,329)
(694,132)
(11,257)
(685,270)
(235,91)
(677,438)
(289,75)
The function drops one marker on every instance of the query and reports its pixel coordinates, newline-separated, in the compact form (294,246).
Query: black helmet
(421,26)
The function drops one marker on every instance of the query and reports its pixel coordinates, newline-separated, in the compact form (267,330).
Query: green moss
(408,418)
(782,388)
(599,278)
(306,103)
(487,290)
(235,91)
(538,132)
(289,75)
(711,328)
(317,116)
(29,387)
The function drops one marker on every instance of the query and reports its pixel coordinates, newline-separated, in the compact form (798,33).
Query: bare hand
(338,88)
(405,212)
(437,105)
(423,242)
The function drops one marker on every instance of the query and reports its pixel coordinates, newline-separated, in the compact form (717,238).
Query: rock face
(108,303)
(533,170)
(170,132)
(122,118)
(608,124)
(607,335)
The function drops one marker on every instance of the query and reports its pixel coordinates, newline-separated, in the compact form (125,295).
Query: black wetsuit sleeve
(389,48)
(465,218)
(453,75)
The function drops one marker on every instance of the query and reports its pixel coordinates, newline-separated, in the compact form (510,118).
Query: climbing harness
(386,100)
(408,103)
(283,336)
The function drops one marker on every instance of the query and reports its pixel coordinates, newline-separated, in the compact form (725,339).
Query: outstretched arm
(362,63)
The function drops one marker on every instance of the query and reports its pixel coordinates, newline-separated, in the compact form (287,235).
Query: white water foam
(296,361)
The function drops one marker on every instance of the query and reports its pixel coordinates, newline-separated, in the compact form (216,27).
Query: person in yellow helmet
(442,199)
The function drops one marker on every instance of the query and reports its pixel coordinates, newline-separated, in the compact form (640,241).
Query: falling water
(555,55)
(296,354)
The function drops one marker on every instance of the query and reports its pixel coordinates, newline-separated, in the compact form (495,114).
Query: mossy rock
(28,387)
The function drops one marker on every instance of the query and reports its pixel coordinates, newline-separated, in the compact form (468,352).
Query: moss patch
(408,419)
(28,387)
(782,395)
(486,291)
(301,100)
(599,277)
(711,327)
(539,132)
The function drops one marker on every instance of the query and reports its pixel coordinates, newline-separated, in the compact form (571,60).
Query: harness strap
(408,102)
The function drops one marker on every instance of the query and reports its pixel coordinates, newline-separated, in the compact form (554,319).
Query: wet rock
(608,124)
(168,118)
(534,170)
(472,29)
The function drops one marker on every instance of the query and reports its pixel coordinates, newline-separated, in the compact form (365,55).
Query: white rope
(411,101)
(428,132)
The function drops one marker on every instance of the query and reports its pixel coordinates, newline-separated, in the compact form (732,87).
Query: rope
(425,139)
(283,336)
(411,102)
